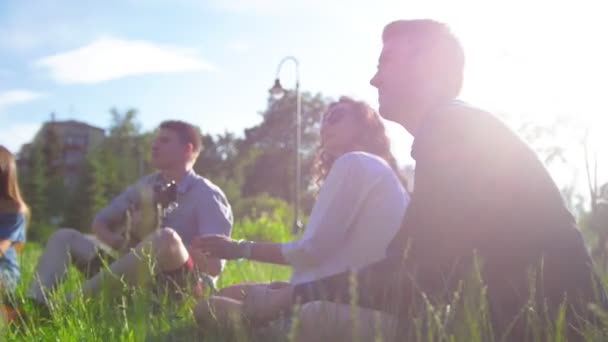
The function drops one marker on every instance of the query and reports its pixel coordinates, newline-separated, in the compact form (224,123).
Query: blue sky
(206,62)
(211,62)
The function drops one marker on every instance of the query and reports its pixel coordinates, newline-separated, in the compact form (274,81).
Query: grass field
(136,316)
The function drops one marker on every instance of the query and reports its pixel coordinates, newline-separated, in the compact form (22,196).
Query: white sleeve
(339,201)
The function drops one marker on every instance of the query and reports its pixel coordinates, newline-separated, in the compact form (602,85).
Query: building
(75,139)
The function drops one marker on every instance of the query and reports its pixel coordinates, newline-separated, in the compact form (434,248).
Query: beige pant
(327,321)
(316,321)
(68,246)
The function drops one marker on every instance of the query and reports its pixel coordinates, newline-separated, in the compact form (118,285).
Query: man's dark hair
(435,41)
(187,134)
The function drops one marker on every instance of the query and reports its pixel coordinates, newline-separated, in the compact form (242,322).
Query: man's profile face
(168,150)
(398,79)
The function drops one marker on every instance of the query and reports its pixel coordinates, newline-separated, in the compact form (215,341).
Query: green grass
(136,316)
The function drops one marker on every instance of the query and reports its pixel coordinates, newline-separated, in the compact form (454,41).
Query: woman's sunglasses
(332,117)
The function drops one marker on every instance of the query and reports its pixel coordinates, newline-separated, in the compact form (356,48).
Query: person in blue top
(13,219)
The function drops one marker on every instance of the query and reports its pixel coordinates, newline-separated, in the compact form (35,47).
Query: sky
(211,62)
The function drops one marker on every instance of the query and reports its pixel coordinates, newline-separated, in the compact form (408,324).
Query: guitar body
(144,219)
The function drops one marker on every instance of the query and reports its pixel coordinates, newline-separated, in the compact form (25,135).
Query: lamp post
(277,92)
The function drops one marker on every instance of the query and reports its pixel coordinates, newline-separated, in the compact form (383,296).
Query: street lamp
(277,92)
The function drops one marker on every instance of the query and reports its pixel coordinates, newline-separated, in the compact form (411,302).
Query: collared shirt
(202,207)
(357,213)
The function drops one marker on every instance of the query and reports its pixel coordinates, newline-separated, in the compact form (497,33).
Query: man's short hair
(434,37)
(187,134)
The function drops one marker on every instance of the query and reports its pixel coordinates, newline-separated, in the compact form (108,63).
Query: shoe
(11,314)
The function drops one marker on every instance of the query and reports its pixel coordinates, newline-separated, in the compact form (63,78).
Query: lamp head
(277,91)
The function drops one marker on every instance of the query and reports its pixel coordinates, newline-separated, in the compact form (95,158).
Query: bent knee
(235,291)
(314,309)
(65,236)
(169,249)
(166,239)
(202,312)
(210,310)
(218,311)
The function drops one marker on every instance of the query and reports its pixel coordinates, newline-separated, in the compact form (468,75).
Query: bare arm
(203,261)
(105,235)
(4,245)
(12,233)
(267,252)
(221,246)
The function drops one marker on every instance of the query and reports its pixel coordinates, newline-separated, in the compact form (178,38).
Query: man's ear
(190,149)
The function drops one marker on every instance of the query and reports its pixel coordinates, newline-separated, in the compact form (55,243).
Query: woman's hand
(219,246)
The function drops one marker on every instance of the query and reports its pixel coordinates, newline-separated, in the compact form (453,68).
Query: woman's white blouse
(357,213)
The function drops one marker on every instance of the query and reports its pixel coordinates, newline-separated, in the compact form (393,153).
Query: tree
(92,192)
(110,168)
(272,142)
(220,161)
(52,149)
(125,152)
(35,185)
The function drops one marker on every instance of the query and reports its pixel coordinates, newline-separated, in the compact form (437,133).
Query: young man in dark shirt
(480,193)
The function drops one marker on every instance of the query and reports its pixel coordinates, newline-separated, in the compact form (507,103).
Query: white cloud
(17,96)
(240,47)
(16,134)
(107,58)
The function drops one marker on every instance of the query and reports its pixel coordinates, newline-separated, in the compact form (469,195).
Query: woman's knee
(311,312)
(235,291)
(217,310)
(202,312)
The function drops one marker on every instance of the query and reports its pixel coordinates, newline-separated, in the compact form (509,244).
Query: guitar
(153,208)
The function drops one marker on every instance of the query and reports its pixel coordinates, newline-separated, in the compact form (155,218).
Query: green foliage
(51,146)
(263,218)
(272,171)
(39,231)
(264,204)
(35,185)
(123,152)
(92,193)
(222,163)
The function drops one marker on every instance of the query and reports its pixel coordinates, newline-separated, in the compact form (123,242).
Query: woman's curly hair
(373,139)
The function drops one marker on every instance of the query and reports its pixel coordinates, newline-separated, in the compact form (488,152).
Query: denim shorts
(8,280)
